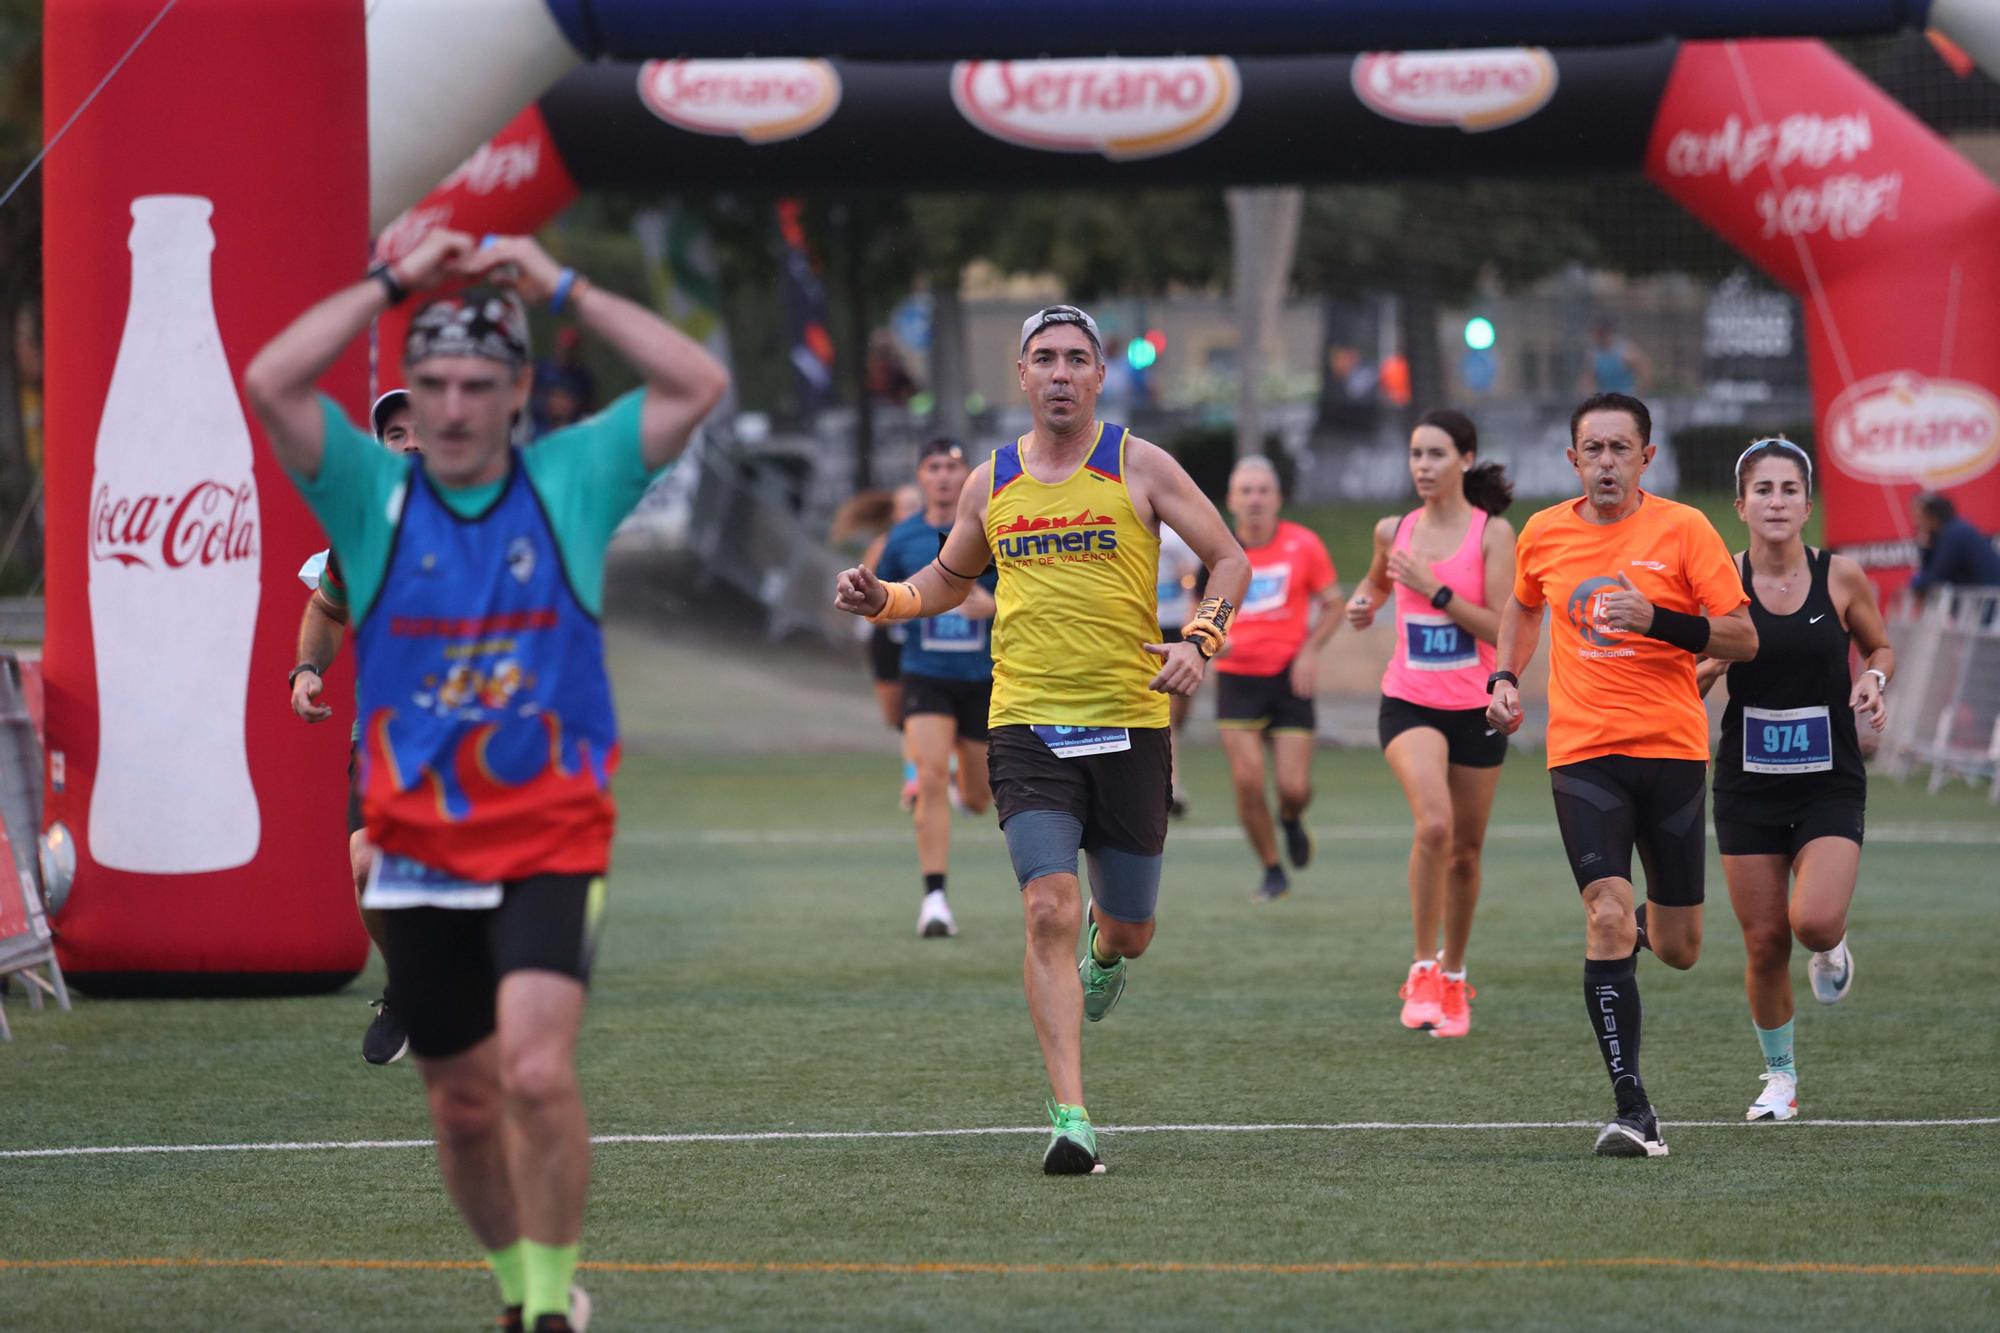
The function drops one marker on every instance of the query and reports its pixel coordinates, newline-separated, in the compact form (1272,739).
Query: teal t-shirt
(588,477)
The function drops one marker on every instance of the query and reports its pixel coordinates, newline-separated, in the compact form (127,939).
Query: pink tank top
(1437,662)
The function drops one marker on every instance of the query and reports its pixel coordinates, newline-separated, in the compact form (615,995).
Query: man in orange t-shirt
(1642,586)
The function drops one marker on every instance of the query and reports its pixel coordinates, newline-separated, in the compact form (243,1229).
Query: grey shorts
(1125,886)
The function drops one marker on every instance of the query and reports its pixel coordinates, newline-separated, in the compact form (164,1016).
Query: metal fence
(1947,719)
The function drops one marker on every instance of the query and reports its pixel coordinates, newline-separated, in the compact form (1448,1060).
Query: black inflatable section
(1299,119)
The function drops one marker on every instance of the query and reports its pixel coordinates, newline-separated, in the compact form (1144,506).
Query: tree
(20,244)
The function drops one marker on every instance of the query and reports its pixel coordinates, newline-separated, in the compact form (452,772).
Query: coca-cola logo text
(1474,90)
(1122,108)
(758,101)
(1902,427)
(211,523)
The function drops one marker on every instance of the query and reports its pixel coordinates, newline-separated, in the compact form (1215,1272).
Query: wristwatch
(1442,597)
(1499,676)
(304,667)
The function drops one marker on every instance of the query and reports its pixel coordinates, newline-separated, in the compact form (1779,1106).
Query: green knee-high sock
(1777,1044)
(549,1269)
(512,1271)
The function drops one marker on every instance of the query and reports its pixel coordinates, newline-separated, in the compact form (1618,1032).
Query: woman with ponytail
(1449,564)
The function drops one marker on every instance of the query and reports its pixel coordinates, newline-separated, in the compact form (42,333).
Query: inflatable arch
(211,859)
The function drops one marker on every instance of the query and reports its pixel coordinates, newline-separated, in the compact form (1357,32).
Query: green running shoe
(1073,1146)
(1101,985)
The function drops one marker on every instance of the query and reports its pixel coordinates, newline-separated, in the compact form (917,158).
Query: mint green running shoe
(1101,985)
(1073,1146)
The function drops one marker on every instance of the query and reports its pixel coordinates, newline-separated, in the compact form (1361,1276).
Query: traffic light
(1140,353)
(1480,334)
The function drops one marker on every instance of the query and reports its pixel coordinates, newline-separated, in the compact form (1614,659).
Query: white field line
(1963,835)
(824,1135)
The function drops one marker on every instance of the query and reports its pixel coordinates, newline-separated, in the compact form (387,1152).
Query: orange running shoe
(1420,997)
(1455,1019)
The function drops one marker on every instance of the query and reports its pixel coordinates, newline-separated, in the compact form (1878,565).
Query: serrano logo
(1086,533)
(757,101)
(1122,108)
(1903,427)
(1474,90)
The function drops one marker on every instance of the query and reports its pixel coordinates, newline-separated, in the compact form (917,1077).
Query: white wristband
(1881,679)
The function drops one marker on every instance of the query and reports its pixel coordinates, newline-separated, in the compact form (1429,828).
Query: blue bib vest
(488,733)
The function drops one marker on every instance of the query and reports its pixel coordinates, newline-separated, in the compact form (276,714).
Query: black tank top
(1796,758)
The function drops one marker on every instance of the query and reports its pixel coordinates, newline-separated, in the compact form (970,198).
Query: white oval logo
(1474,90)
(757,101)
(1122,108)
(1900,426)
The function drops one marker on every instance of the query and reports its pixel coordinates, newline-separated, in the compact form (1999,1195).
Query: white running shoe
(934,919)
(1778,1101)
(1831,973)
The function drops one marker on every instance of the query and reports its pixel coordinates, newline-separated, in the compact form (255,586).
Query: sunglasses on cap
(1060,314)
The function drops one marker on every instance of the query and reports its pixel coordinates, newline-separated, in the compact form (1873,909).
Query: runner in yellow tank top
(1078,753)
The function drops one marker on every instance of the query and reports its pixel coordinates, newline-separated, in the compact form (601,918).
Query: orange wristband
(903,604)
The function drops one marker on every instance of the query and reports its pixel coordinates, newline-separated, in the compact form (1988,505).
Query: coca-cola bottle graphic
(174,577)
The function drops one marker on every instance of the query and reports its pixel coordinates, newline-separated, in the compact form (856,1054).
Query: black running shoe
(510,1320)
(1639,916)
(1275,886)
(1298,843)
(386,1040)
(1634,1134)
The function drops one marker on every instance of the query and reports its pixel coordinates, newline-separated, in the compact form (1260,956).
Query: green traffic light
(1479,334)
(1139,354)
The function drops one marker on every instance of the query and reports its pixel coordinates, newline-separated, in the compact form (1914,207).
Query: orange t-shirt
(1613,691)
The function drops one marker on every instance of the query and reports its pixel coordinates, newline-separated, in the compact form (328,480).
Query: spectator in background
(1616,366)
(1949,549)
(565,390)
(889,380)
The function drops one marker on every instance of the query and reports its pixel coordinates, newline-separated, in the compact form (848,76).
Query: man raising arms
(1642,586)
(476,576)
(1079,750)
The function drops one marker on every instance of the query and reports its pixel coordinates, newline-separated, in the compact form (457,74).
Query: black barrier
(1293,119)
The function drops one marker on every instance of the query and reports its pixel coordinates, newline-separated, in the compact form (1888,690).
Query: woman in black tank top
(1790,787)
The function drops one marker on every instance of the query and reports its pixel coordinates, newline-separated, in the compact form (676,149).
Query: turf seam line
(826,1135)
(948,1268)
(1969,835)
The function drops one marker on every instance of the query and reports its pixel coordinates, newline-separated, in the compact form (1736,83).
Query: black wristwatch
(1442,597)
(304,667)
(395,291)
(1499,676)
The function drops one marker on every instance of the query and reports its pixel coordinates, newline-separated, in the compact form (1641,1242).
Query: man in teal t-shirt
(475,574)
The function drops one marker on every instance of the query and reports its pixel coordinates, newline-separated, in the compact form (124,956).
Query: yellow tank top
(1077,595)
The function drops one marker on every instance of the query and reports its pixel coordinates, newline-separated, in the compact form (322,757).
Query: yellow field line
(1358,1267)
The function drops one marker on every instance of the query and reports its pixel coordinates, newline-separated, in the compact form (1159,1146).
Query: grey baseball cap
(1060,314)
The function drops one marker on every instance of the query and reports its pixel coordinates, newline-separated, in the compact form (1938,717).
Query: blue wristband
(564,282)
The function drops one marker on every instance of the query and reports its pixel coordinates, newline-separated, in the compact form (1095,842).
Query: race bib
(397,881)
(951,633)
(1437,643)
(1075,742)
(1269,587)
(1787,740)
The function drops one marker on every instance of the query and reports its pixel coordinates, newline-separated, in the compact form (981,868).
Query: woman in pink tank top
(1450,565)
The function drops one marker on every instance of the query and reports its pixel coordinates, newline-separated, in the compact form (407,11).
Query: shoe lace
(1771,1075)
(1454,993)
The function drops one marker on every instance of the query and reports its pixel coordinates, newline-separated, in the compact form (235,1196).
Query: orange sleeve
(1527,583)
(1709,568)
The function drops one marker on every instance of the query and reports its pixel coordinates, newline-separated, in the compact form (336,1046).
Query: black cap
(940,444)
(387,406)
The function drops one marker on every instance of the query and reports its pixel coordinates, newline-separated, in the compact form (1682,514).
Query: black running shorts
(1836,817)
(1470,740)
(1614,803)
(1262,703)
(1120,798)
(885,654)
(448,962)
(966,701)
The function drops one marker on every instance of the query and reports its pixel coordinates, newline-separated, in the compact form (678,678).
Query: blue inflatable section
(1007,29)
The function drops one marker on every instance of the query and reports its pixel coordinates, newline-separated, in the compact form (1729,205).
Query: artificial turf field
(759,974)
